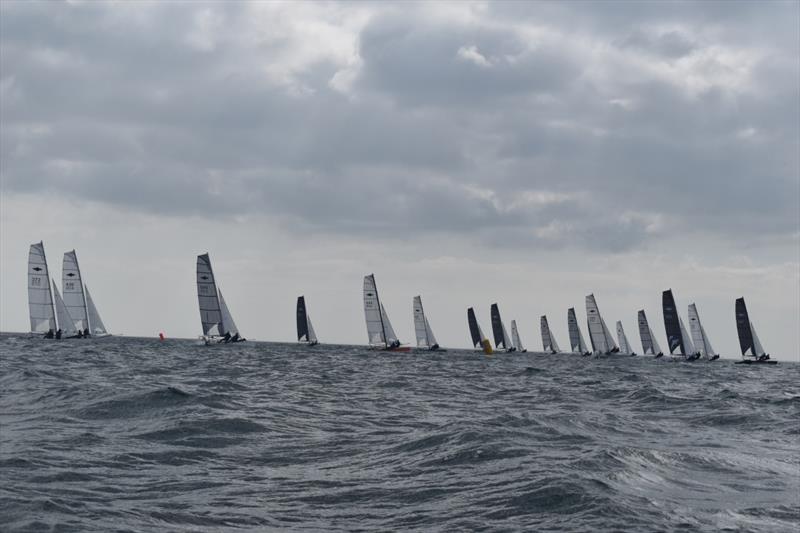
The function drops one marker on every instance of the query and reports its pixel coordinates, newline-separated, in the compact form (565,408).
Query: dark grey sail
(497,327)
(672,323)
(743,328)
(302,319)
(474,330)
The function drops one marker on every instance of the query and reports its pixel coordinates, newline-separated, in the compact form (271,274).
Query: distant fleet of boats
(74,315)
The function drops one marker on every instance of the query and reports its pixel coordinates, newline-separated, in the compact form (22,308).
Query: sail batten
(41,306)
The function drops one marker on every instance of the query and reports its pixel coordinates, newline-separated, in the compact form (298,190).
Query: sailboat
(305,331)
(74,297)
(699,336)
(215,318)
(379,330)
(649,343)
(624,346)
(41,309)
(515,338)
(752,350)
(501,337)
(66,324)
(422,328)
(96,326)
(577,344)
(479,340)
(677,337)
(602,341)
(548,341)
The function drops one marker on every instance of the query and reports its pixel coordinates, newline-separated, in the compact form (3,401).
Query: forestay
(208,298)
(72,286)
(40,297)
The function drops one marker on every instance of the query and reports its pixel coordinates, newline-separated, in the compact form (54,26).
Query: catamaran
(752,350)
(379,330)
(624,346)
(649,343)
(548,341)
(305,331)
(215,318)
(577,344)
(41,308)
(677,337)
(515,338)
(599,335)
(499,330)
(699,336)
(422,328)
(479,340)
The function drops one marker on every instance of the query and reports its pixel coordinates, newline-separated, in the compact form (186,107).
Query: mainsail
(748,338)
(65,322)
(72,286)
(699,337)
(649,343)
(97,327)
(228,325)
(601,339)
(515,337)
(422,328)
(208,298)
(576,342)
(40,298)
(624,345)
(548,341)
(499,330)
(677,337)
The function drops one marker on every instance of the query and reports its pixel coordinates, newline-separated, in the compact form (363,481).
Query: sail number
(36,281)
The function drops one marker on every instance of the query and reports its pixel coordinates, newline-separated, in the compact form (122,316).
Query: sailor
(395,344)
(434,347)
(49,335)
(236,337)
(79,335)
(86,333)
(58,333)
(227,337)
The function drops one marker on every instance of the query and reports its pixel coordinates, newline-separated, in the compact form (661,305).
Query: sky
(471,152)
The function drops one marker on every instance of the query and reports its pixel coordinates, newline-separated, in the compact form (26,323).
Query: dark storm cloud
(594,125)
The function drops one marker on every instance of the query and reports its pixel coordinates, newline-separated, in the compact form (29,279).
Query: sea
(136,434)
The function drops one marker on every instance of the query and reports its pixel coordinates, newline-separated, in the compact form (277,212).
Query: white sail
(506,339)
(420,324)
(515,337)
(312,336)
(65,322)
(387,327)
(72,287)
(624,346)
(656,347)
(597,327)
(40,298)
(228,325)
(757,348)
(94,317)
(208,298)
(431,337)
(372,313)
(610,342)
(687,340)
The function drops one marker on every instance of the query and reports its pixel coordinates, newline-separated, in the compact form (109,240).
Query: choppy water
(125,434)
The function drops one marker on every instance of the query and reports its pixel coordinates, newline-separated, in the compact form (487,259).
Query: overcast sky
(519,153)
